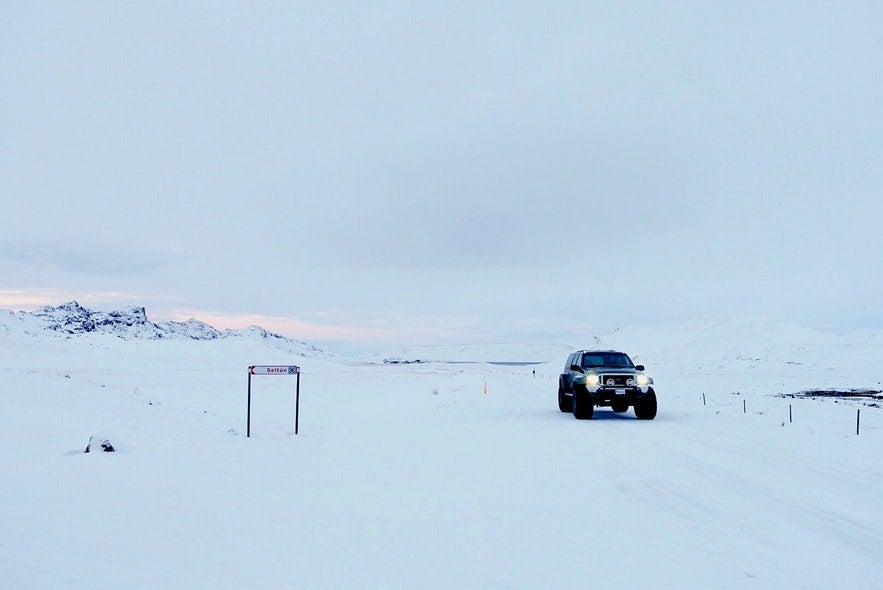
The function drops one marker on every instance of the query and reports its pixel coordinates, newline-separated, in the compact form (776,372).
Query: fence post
(858,414)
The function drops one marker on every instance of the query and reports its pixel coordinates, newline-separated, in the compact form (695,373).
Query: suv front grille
(618,380)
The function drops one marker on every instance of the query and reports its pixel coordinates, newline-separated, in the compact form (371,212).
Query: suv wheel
(565,404)
(645,408)
(583,408)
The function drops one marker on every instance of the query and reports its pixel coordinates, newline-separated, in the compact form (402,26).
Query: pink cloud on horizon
(306,330)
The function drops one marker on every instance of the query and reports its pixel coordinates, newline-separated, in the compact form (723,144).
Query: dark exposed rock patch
(99,444)
(840,394)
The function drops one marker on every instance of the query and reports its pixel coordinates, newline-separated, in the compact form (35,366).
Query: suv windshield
(606,359)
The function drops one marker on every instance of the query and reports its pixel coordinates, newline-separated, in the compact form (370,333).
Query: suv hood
(623,370)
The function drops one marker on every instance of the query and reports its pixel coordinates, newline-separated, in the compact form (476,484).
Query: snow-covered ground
(410,476)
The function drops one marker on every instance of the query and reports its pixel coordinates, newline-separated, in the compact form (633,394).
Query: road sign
(274,370)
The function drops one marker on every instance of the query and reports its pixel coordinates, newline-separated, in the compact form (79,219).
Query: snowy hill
(752,353)
(737,352)
(717,337)
(481,353)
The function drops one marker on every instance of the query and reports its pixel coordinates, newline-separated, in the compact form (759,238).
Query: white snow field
(410,476)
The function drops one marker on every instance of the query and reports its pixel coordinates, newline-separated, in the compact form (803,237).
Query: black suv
(605,378)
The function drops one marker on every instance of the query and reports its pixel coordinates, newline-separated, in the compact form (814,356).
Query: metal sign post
(273,370)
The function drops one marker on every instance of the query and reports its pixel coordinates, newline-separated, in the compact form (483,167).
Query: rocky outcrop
(73,319)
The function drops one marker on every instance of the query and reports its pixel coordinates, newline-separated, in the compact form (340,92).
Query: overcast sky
(421,172)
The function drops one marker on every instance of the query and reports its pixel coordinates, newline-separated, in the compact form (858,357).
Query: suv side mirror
(639,367)
(575,367)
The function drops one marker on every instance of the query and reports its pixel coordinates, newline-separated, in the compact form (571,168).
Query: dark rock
(102,443)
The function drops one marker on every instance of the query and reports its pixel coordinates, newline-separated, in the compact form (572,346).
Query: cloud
(82,256)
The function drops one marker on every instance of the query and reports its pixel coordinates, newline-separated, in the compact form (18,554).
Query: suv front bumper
(604,396)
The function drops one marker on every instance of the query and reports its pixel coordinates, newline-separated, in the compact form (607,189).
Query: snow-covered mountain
(71,319)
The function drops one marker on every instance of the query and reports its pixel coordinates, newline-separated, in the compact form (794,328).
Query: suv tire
(583,408)
(565,404)
(645,408)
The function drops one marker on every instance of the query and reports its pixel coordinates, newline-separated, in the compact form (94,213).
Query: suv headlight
(592,379)
(643,380)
